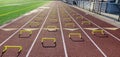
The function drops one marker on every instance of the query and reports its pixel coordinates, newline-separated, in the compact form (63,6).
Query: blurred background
(110,8)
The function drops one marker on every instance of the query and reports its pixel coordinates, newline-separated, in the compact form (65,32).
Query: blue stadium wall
(113,7)
(107,7)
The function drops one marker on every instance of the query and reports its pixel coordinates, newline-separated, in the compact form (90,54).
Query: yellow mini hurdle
(6,48)
(86,22)
(52,28)
(25,31)
(65,15)
(53,20)
(75,34)
(34,24)
(67,19)
(44,39)
(97,31)
(70,24)
(38,20)
(79,17)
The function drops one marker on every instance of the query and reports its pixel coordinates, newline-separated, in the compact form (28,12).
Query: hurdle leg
(93,33)
(4,50)
(102,32)
(20,49)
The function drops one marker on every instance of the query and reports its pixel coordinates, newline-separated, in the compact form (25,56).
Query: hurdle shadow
(2,53)
(46,46)
(18,54)
(102,36)
(20,36)
(80,40)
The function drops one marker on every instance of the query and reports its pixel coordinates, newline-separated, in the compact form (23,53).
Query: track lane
(11,28)
(102,25)
(62,33)
(25,42)
(76,48)
(15,40)
(65,46)
(17,31)
(107,44)
(15,26)
(49,49)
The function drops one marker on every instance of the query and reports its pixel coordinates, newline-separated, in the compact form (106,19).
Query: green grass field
(11,9)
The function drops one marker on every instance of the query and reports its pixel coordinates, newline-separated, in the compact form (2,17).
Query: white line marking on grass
(10,5)
(16,4)
(62,34)
(100,27)
(30,49)
(21,17)
(37,9)
(18,30)
(87,36)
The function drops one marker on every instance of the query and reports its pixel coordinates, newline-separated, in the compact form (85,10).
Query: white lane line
(62,34)
(19,29)
(106,31)
(87,35)
(30,49)
(99,27)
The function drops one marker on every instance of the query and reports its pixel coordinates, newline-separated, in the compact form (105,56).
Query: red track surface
(107,45)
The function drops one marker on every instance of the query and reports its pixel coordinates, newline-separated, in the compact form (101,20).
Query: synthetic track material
(59,14)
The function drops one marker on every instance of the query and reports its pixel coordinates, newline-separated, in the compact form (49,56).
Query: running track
(59,14)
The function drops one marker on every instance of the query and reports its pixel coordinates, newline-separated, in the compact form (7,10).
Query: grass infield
(11,10)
